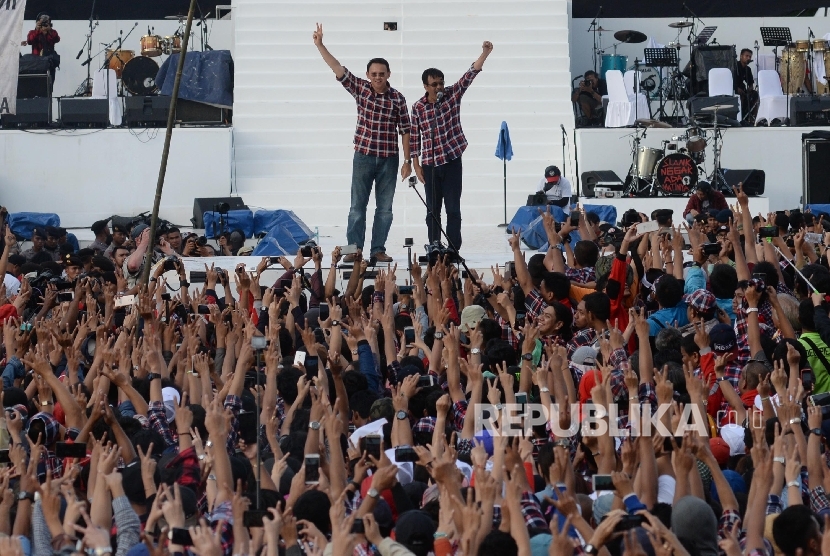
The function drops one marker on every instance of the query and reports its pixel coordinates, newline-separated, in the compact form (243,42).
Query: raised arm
(339,70)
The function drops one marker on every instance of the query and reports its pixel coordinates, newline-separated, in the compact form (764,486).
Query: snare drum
(676,174)
(646,160)
(118,59)
(695,142)
(610,62)
(151,46)
(172,45)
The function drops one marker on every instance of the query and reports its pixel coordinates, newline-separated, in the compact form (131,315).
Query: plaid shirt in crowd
(534,304)
(449,136)
(380,117)
(531,512)
(507,333)
(585,337)
(222,514)
(581,275)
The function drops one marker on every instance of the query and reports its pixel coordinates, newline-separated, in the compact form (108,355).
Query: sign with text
(11,29)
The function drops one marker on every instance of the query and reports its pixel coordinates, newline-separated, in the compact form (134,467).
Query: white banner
(11,31)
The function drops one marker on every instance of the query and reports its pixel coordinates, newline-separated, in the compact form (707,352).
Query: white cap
(171,402)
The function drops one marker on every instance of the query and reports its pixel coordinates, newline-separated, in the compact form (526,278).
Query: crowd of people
(401,415)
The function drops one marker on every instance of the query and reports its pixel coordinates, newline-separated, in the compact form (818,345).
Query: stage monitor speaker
(600,178)
(809,110)
(202,205)
(147,111)
(816,168)
(34,86)
(31,112)
(696,104)
(84,112)
(753,181)
(199,113)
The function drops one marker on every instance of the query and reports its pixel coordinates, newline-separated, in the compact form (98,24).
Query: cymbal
(175,17)
(716,107)
(680,24)
(632,37)
(652,123)
(600,30)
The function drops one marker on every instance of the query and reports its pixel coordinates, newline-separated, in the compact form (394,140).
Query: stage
(777,151)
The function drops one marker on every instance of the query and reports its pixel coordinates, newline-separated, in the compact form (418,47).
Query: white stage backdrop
(294,123)
(11,23)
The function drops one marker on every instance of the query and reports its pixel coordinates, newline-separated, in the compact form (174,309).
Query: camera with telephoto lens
(201,241)
(221,208)
(170,263)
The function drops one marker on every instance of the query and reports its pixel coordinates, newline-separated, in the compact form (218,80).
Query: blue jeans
(383,173)
(447,191)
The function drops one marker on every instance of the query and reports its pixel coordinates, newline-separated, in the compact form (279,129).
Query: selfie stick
(796,270)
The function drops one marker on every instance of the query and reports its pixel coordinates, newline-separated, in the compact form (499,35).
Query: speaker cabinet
(202,205)
(31,112)
(809,110)
(199,113)
(147,111)
(816,168)
(600,178)
(34,86)
(753,181)
(84,112)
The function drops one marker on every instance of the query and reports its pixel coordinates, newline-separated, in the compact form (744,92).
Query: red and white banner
(11,29)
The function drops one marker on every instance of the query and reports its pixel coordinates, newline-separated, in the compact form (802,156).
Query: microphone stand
(88,46)
(593,28)
(435,106)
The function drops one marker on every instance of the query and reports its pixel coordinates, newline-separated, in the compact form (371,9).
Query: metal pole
(148,261)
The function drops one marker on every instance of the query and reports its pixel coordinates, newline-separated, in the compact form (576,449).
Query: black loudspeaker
(601,178)
(816,169)
(753,181)
(696,104)
(709,57)
(809,110)
(34,86)
(84,112)
(31,112)
(149,111)
(199,113)
(205,204)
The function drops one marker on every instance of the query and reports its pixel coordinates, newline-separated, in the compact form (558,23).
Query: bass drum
(676,175)
(139,76)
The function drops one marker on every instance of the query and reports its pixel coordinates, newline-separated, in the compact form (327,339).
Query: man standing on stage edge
(437,138)
(382,115)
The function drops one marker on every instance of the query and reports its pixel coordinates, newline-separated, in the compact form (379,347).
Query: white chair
(773,101)
(722,83)
(102,89)
(641,110)
(620,110)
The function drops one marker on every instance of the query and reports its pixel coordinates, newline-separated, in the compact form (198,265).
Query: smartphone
(808,380)
(125,301)
(602,482)
(259,342)
(350,249)
(405,290)
(768,231)
(274,260)
(26,327)
(66,296)
(299,358)
(575,216)
(68,450)
(521,399)
(198,277)
(253,518)
(759,278)
(815,239)
(510,269)
(166,297)
(648,227)
(203,310)
(357,527)
(307,250)
(312,469)
(405,453)
(425,381)
(4,456)
(409,336)
(712,248)
(284,284)
(629,522)
(819,399)
(520,320)
(324,311)
(668,446)
(180,536)
(371,445)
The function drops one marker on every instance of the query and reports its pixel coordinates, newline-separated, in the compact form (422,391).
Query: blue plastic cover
(278,242)
(267,220)
(525,215)
(606,213)
(22,223)
(818,210)
(207,77)
(234,220)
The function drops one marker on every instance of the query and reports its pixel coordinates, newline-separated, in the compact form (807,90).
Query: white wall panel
(294,124)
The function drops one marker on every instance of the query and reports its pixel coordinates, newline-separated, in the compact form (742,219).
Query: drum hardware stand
(661,58)
(203,30)
(593,28)
(810,51)
(717,180)
(88,46)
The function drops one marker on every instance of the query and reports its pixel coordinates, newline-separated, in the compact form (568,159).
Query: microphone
(562,127)
(812,36)
(148,30)
(78,57)
(439,96)
(756,45)
(600,10)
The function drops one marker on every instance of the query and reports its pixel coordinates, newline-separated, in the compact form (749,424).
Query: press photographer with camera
(43,39)
(134,265)
(589,97)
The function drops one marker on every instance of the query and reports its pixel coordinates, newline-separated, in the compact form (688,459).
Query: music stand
(705,35)
(775,37)
(661,58)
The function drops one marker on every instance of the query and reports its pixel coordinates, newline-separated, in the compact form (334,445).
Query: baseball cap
(720,449)
(701,300)
(137,229)
(722,338)
(552,173)
(470,317)
(171,401)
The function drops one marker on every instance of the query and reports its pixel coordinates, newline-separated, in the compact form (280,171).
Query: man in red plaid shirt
(437,138)
(382,115)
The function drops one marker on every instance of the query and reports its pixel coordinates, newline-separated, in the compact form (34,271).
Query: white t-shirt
(561,190)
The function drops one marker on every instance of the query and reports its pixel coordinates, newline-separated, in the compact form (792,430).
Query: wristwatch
(590,549)
(373,493)
(201,457)
(335,323)
(314,425)
(816,432)
(527,357)
(438,335)
(23,495)
(153,376)
(44,403)
(475,351)
(401,415)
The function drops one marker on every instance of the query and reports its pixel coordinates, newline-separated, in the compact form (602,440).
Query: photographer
(589,98)
(134,264)
(43,39)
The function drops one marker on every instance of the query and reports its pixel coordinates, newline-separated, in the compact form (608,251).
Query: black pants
(446,190)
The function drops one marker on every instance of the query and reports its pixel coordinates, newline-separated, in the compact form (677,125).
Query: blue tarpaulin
(22,223)
(277,243)
(207,77)
(267,220)
(234,220)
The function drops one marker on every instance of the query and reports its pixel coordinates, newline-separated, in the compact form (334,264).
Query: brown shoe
(382,257)
(350,258)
